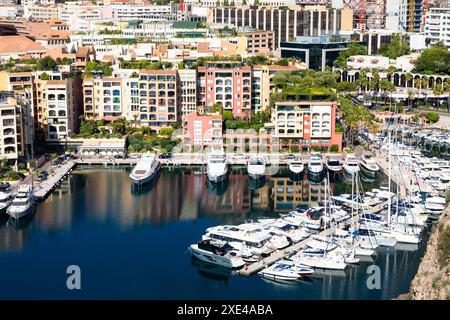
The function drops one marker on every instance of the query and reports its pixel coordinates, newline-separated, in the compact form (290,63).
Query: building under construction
(408,15)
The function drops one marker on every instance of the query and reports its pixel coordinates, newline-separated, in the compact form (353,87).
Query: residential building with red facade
(227,83)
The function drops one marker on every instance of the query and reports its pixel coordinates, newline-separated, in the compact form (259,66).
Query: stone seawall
(432,280)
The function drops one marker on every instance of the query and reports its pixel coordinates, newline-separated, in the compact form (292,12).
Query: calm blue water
(133,245)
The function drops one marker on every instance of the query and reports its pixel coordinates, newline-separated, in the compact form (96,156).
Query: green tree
(432,116)
(410,97)
(46,63)
(218,107)
(434,60)
(363,82)
(446,88)
(397,47)
(408,78)
(45,76)
(437,91)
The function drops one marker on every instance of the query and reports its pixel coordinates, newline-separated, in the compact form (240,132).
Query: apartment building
(58,107)
(40,13)
(107,98)
(227,83)
(305,124)
(437,27)
(11,131)
(255,43)
(188,91)
(152,98)
(201,131)
(129,12)
(262,85)
(286,23)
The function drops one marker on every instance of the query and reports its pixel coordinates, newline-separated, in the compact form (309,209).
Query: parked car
(5,186)
(134,155)
(238,156)
(165,155)
(290,157)
(119,156)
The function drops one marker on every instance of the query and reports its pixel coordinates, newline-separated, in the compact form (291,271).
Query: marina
(74,222)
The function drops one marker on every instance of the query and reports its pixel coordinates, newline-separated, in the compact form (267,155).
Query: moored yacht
(285,270)
(23,203)
(369,166)
(216,252)
(6,198)
(296,166)
(217,166)
(146,169)
(315,167)
(333,165)
(351,166)
(256,166)
(242,237)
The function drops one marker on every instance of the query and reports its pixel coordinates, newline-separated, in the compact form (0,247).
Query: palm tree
(410,97)
(437,91)
(408,78)
(446,87)
(375,82)
(391,70)
(424,86)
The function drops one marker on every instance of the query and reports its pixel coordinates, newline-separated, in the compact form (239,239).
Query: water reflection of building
(235,199)
(288,194)
(56,211)
(11,239)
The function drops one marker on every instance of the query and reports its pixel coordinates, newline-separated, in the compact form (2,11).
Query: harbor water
(132,243)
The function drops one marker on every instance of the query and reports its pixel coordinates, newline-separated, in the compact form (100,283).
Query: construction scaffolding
(369,14)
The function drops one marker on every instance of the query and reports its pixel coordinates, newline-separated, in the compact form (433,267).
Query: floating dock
(280,254)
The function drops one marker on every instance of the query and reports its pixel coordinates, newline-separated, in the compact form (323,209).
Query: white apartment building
(437,27)
(139,12)
(82,17)
(11,11)
(188,91)
(38,2)
(404,63)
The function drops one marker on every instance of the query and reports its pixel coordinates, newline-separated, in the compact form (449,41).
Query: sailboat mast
(389,178)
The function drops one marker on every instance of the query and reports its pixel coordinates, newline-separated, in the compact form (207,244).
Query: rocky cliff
(432,280)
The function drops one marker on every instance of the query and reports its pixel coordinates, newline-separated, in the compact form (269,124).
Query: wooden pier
(280,254)
(44,188)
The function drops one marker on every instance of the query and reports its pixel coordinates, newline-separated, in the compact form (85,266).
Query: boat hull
(22,213)
(147,178)
(368,172)
(217,178)
(316,177)
(215,259)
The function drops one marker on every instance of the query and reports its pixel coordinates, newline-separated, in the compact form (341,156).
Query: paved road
(46,166)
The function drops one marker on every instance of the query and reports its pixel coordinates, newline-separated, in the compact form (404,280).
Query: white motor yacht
(146,169)
(320,261)
(217,166)
(246,236)
(6,199)
(351,165)
(219,253)
(333,165)
(285,270)
(296,166)
(23,203)
(256,166)
(315,167)
(369,166)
